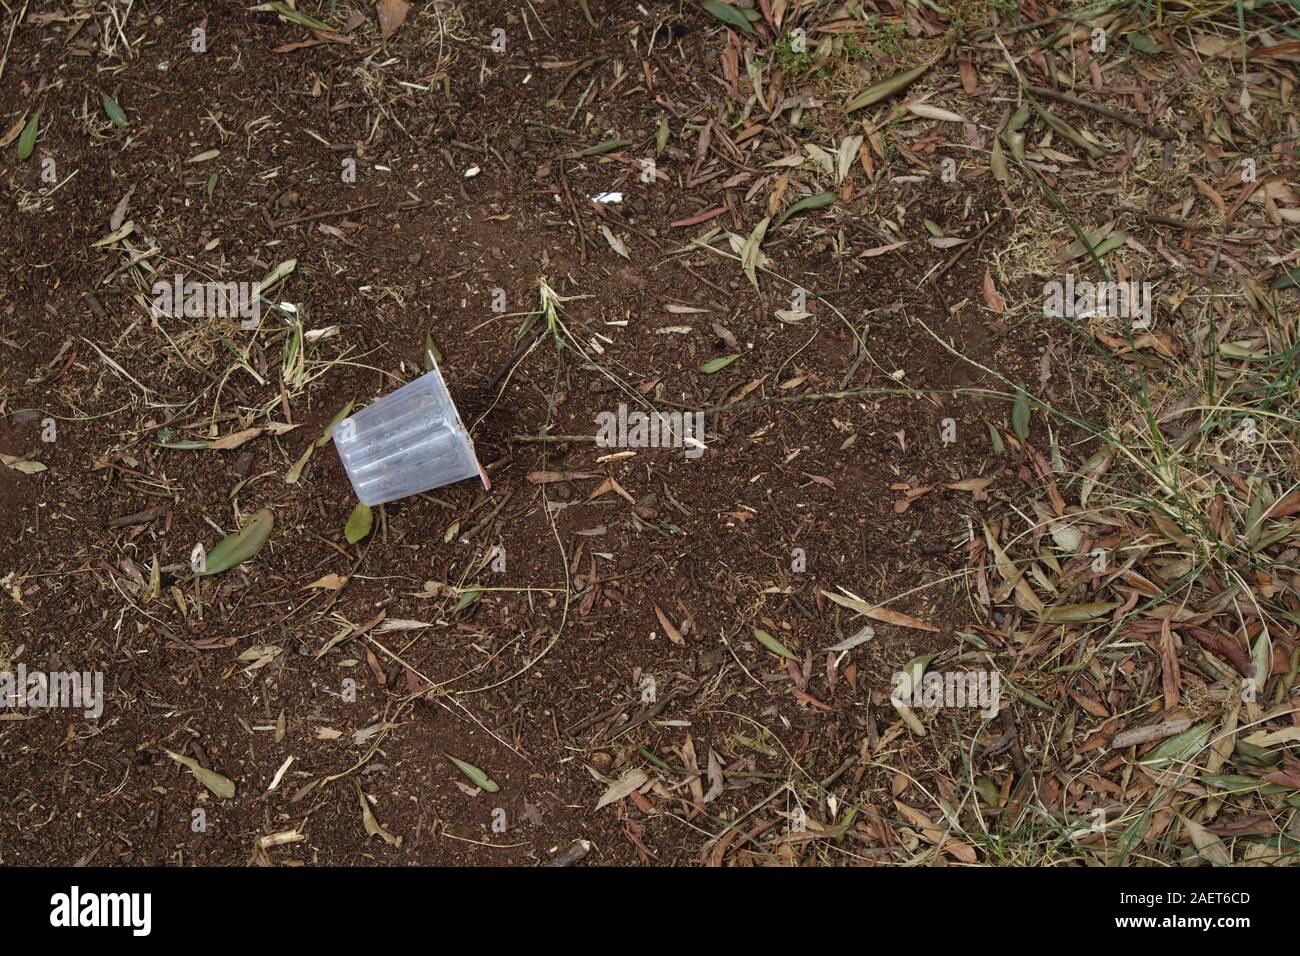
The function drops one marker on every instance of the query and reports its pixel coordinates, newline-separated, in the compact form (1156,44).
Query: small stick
(1106,111)
(321,215)
(577,219)
(141,517)
(1152,217)
(573,74)
(519,353)
(559,438)
(576,851)
(1034,25)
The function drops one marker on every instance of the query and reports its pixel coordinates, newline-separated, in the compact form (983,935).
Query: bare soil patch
(861,442)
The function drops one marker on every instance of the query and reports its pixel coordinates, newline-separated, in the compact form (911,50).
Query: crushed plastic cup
(407,442)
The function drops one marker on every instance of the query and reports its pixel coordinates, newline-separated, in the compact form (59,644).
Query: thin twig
(1106,111)
(311,217)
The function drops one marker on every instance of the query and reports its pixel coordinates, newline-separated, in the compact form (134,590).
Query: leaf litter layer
(833,238)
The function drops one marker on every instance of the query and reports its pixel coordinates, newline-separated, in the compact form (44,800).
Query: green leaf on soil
(476,776)
(1110,244)
(731,16)
(807,204)
(1259,756)
(235,549)
(661,135)
(1142,43)
(114,111)
(606,147)
(221,786)
(718,364)
(1020,415)
(772,644)
(1066,131)
(276,275)
(995,439)
(1240,783)
(887,88)
(27,141)
(1240,353)
(289,13)
(1016,140)
(1288,280)
(1077,613)
(640,748)
(327,435)
(1180,747)
(1089,243)
(431,354)
(466,599)
(910,678)
(755,743)
(359,523)
(117,235)
(1261,658)
(586,13)
(1018,119)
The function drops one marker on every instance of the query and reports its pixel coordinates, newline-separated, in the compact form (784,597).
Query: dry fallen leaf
(615,242)
(392,14)
(882,614)
(544,477)
(330,582)
(221,786)
(235,439)
(863,634)
(371,824)
(632,780)
(926,111)
(970,484)
(1207,844)
(13,132)
(670,629)
(992,298)
(22,465)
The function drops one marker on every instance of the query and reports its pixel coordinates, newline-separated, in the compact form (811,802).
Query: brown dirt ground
(532,688)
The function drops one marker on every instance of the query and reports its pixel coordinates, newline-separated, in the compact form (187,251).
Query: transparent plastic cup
(407,442)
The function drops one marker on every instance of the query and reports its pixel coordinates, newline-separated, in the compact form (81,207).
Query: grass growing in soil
(1180,510)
